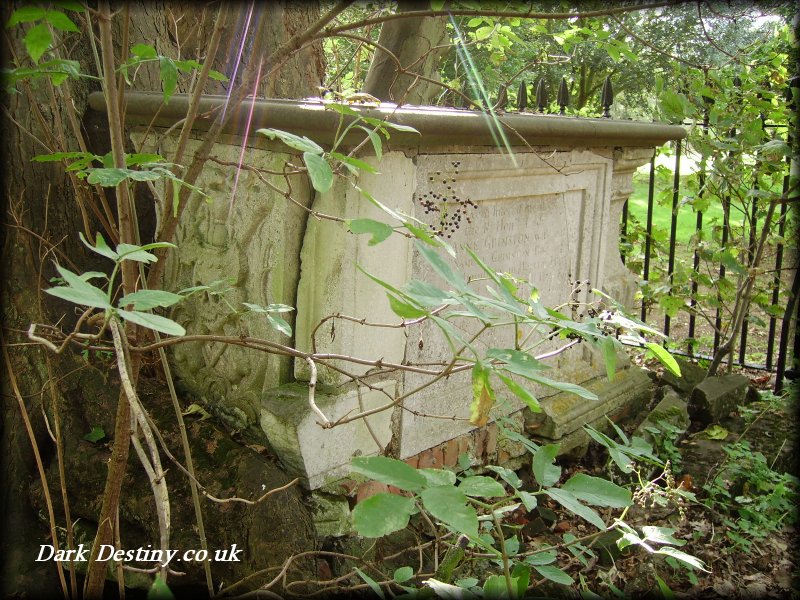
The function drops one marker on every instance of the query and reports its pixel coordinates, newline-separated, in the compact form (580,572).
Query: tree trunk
(41,222)
(414,44)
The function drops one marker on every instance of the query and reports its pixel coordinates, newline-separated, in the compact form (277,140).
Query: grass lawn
(662,215)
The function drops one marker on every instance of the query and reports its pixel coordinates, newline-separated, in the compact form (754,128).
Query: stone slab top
(437,125)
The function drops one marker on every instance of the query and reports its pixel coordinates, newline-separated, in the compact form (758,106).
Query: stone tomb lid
(437,125)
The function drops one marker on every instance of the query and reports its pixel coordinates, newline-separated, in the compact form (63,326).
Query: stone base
(564,415)
(313,453)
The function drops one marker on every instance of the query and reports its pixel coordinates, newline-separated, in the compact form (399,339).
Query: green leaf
(515,361)
(217,76)
(107,177)
(521,576)
(404,309)
(449,505)
(544,471)
(100,246)
(279,324)
(597,491)
(356,164)
(319,171)
(135,253)
(377,144)
(507,475)
(95,435)
(56,156)
(382,514)
(564,386)
(436,477)
(482,395)
(665,358)
(403,574)
(159,590)
(26,14)
(521,392)
(389,471)
(147,299)
(422,235)
(398,127)
(529,500)
(442,268)
(293,141)
(270,308)
(495,587)
(661,535)
(683,557)
(482,487)
(168,73)
(609,348)
(144,51)
(570,502)
(449,592)
(79,291)
(37,41)
(554,574)
(379,231)
(60,21)
(542,558)
(155,322)
(425,294)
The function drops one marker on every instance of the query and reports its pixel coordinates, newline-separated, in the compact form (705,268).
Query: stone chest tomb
(549,215)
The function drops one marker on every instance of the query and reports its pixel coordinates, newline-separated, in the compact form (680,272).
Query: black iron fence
(776,329)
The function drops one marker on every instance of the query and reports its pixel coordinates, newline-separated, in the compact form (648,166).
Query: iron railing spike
(502,99)
(607,97)
(563,95)
(541,95)
(522,96)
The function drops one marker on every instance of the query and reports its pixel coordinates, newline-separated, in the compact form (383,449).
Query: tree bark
(414,43)
(41,220)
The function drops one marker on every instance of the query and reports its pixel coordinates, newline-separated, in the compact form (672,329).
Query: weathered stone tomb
(550,215)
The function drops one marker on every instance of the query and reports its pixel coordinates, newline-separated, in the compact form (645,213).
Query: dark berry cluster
(442,200)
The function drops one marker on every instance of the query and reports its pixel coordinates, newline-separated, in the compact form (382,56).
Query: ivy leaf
(382,514)
(319,171)
(37,41)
